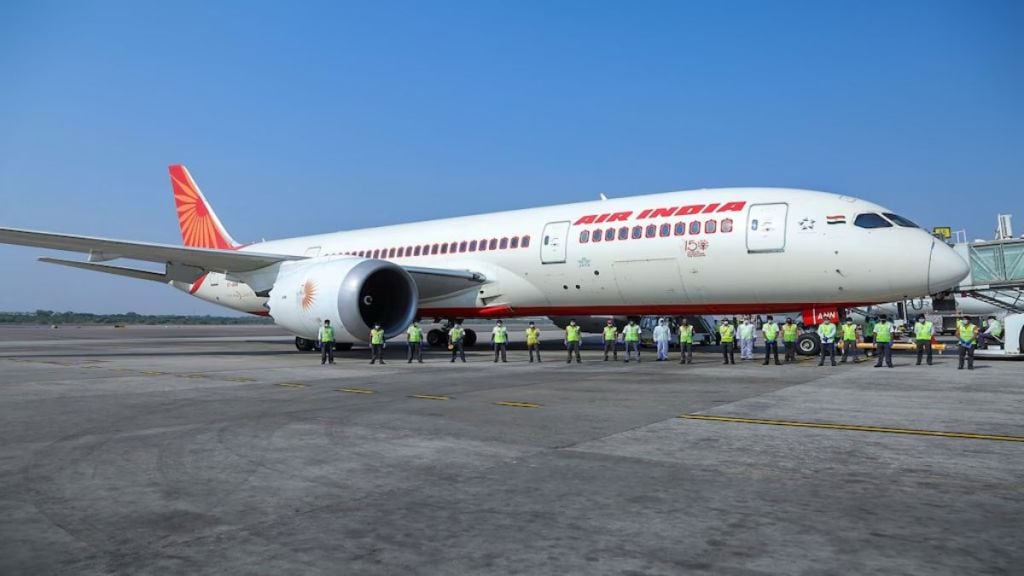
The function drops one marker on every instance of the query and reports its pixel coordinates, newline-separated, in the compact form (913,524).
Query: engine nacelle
(353,293)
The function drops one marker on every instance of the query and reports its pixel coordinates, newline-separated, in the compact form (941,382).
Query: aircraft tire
(469,340)
(808,345)
(436,338)
(342,346)
(304,344)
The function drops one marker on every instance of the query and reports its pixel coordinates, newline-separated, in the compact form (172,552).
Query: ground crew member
(716,333)
(827,335)
(770,331)
(631,336)
(883,341)
(849,334)
(611,334)
(455,336)
(993,331)
(499,337)
(924,331)
(727,332)
(661,338)
(746,335)
(869,332)
(790,331)
(572,341)
(533,341)
(968,334)
(377,344)
(325,338)
(685,342)
(415,336)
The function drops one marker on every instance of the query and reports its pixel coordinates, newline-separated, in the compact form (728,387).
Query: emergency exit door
(553,242)
(766,227)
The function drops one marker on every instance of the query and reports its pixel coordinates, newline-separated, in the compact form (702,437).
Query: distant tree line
(51,317)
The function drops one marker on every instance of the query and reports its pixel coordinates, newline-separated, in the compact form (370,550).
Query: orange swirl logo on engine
(308,294)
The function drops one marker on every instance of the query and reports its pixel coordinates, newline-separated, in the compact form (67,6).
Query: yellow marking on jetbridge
(856,428)
(429,397)
(291,385)
(519,404)
(356,390)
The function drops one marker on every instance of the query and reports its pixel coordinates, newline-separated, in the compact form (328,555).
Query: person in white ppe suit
(661,337)
(746,336)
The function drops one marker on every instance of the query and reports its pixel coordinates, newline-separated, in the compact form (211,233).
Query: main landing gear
(307,345)
(439,336)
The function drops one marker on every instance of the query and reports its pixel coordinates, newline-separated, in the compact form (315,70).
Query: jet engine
(353,293)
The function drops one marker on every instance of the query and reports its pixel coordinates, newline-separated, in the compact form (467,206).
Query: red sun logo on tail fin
(200,227)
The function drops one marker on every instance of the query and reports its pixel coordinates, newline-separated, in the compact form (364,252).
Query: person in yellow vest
(728,333)
(325,338)
(827,335)
(883,341)
(685,342)
(533,340)
(849,333)
(572,341)
(455,336)
(790,333)
(993,332)
(415,337)
(968,335)
(499,338)
(924,331)
(770,331)
(631,338)
(377,344)
(611,335)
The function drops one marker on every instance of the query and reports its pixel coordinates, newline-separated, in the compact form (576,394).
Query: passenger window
(503,244)
(623,233)
(871,220)
(444,248)
(694,228)
(638,232)
(391,253)
(900,220)
(493,244)
(546,239)
(650,231)
(463,245)
(727,225)
(609,235)
(434,249)
(515,242)
(401,252)
(472,245)
(416,252)
(680,228)
(597,235)
(665,230)
(526,242)
(711,226)
(584,236)
(376,253)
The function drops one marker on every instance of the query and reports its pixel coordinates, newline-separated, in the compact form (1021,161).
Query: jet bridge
(997,272)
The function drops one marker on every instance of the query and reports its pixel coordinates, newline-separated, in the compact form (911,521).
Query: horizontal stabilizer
(107,269)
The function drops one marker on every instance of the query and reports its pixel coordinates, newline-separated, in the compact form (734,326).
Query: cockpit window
(900,220)
(871,220)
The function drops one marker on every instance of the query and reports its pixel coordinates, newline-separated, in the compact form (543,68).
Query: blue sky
(307,117)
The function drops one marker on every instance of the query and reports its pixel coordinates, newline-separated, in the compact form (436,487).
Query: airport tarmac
(213,450)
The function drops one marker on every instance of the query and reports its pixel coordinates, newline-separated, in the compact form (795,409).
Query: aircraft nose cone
(945,269)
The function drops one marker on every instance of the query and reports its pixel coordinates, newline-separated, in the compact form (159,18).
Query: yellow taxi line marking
(856,428)
(519,404)
(239,379)
(152,373)
(356,390)
(291,385)
(429,397)
(191,375)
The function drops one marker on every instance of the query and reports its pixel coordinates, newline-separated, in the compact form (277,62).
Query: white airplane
(719,251)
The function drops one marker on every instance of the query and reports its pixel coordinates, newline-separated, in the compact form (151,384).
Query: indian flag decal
(836,219)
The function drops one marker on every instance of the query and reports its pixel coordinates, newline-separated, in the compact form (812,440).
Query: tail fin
(200,227)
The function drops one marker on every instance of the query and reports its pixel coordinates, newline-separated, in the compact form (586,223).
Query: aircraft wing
(438,282)
(185,264)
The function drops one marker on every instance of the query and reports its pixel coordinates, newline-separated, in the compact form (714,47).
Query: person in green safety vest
(325,339)
(456,334)
(993,332)
(611,335)
(924,331)
(728,334)
(631,337)
(790,333)
(883,341)
(770,331)
(685,342)
(827,335)
(415,337)
(967,333)
(499,338)
(377,344)
(849,334)
(572,341)
(533,340)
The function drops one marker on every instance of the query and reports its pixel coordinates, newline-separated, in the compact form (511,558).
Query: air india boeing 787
(729,250)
